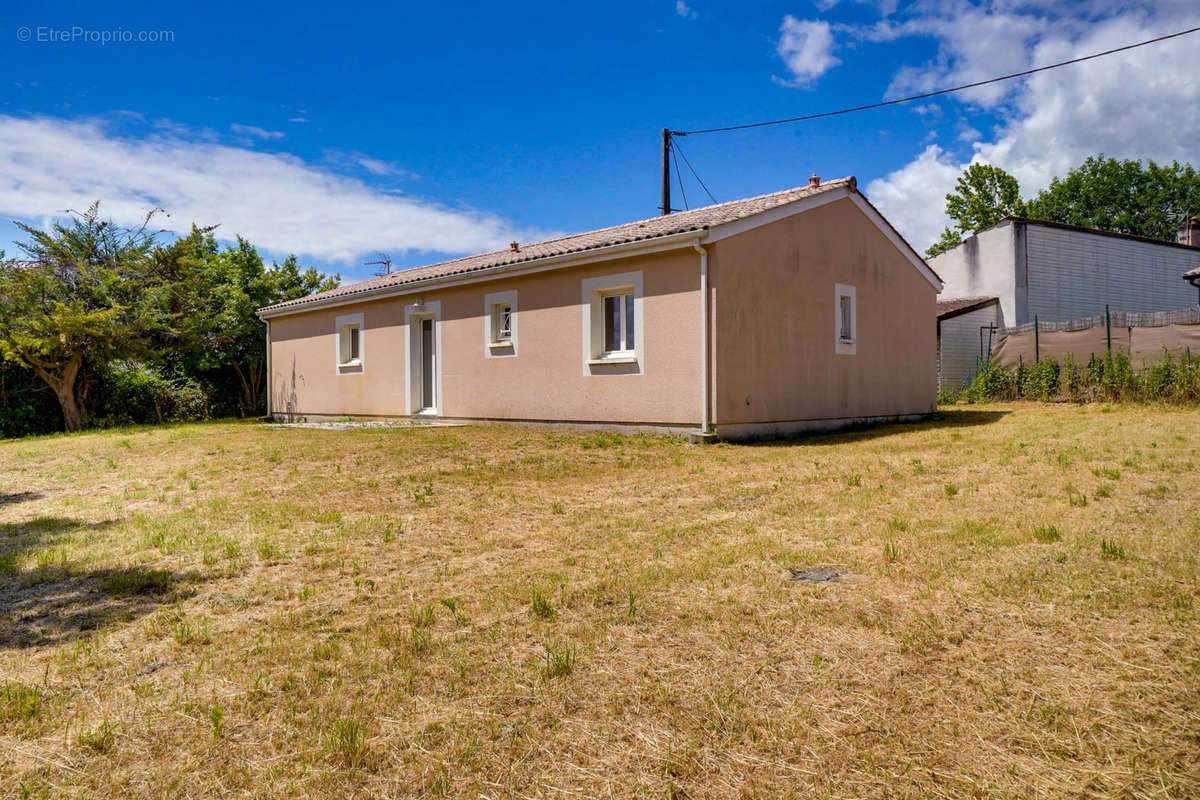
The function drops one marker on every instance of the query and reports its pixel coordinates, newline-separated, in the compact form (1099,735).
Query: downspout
(269,377)
(704,356)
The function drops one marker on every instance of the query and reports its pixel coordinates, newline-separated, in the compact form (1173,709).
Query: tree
(218,292)
(83,298)
(983,196)
(1122,196)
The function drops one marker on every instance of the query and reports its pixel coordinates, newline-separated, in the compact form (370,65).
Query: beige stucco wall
(544,381)
(774,323)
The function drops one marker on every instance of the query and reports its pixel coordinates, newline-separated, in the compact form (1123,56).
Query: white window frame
(845,347)
(492,347)
(346,366)
(596,360)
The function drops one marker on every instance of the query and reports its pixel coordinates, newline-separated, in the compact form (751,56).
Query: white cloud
(885,7)
(684,10)
(256,132)
(1139,104)
(806,47)
(277,201)
(913,198)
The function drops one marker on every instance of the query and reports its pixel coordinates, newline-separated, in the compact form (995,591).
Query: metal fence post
(1037,346)
(1107,329)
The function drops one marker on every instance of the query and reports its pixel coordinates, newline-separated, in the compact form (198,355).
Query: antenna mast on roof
(384,263)
(666,172)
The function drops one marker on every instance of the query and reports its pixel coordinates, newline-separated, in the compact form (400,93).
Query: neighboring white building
(1059,272)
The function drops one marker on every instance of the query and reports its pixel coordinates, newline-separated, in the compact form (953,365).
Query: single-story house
(964,332)
(793,311)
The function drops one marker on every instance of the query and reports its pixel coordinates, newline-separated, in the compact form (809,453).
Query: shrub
(992,383)
(1110,377)
(1040,381)
(138,394)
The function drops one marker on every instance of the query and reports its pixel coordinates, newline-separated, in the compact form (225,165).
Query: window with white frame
(613,333)
(620,328)
(846,318)
(500,324)
(349,343)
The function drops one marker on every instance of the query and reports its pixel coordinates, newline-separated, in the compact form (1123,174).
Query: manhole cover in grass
(812,574)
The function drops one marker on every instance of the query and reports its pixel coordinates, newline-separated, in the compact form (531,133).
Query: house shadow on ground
(54,601)
(947,419)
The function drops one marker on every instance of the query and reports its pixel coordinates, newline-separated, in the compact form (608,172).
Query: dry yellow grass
(234,610)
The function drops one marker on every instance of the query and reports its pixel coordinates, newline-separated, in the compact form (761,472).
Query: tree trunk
(247,398)
(258,380)
(63,386)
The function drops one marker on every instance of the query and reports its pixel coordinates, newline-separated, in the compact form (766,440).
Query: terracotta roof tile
(697,219)
(961,305)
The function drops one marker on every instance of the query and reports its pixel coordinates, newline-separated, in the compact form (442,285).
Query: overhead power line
(675,147)
(937,93)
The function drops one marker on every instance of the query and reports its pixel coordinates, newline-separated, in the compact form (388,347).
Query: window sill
(616,358)
(845,341)
(502,344)
(350,367)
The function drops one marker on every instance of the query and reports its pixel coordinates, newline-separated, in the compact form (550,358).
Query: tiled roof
(697,219)
(950,308)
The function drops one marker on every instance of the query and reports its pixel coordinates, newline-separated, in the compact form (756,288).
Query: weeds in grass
(602,441)
(268,551)
(19,701)
(898,525)
(1112,473)
(1157,492)
(558,508)
(633,605)
(424,495)
(452,605)
(347,741)
(1111,550)
(1076,498)
(891,552)
(951,490)
(422,616)
(138,581)
(51,557)
(540,604)
(188,632)
(1102,491)
(558,661)
(1047,533)
(853,480)
(216,716)
(418,641)
(101,739)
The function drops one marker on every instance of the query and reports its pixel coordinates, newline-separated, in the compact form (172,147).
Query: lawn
(496,612)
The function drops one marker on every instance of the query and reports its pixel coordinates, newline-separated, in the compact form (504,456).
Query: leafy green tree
(218,292)
(1122,196)
(84,297)
(983,196)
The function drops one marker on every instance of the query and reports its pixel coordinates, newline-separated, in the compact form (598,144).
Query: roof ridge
(623,233)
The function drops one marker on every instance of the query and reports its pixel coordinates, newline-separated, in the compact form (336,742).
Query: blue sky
(428,131)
